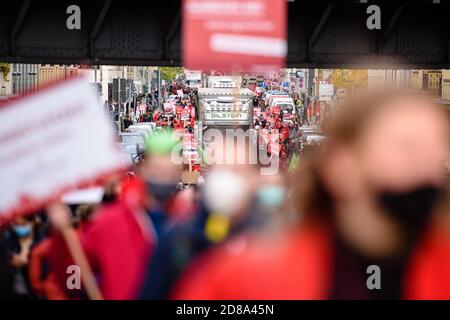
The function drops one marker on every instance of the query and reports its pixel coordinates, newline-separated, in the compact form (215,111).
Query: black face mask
(161,191)
(412,208)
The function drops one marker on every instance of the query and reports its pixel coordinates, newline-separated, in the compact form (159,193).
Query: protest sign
(143,107)
(274,144)
(185,114)
(275,109)
(53,141)
(168,108)
(231,35)
(178,110)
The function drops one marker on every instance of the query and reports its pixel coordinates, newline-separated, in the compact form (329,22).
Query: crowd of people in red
(357,202)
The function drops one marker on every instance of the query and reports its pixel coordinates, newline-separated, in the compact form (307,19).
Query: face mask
(271,195)
(161,191)
(22,231)
(411,208)
(225,192)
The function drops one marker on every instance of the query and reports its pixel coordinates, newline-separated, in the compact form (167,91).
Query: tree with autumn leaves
(349,79)
(169,73)
(5,69)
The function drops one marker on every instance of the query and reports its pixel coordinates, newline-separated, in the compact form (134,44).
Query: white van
(287,106)
(142,128)
(132,138)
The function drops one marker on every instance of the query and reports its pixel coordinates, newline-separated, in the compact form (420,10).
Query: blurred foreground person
(270,208)
(19,240)
(366,202)
(222,206)
(120,238)
(51,257)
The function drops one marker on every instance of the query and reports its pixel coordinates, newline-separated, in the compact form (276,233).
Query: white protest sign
(326,91)
(51,142)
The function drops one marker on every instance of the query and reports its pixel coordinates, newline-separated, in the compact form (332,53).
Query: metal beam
(18,24)
(171,32)
(387,32)
(153,37)
(98,25)
(318,29)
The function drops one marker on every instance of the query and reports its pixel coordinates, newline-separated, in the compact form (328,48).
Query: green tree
(169,73)
(5,69)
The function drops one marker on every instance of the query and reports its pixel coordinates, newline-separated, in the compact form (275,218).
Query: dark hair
(84,212)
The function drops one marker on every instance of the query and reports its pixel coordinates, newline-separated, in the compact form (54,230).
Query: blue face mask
(271,195)
(22,231)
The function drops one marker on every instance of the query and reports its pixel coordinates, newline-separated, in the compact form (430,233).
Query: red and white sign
(185,114)
(168,108)
(190,146)
(143,107)
(178,110)
(234,35)
(274,144)
(51,142)
(275,109)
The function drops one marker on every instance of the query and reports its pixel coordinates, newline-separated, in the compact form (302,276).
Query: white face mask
(225,192)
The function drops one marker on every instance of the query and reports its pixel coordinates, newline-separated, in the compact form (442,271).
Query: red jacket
(53,252)
(118,244)
(48,287)
(300,267)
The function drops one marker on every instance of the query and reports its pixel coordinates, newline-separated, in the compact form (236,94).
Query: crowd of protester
(374,194)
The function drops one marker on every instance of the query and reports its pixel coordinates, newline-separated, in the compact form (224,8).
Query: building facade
(25,78)
(389,78)
(427,80)
(49,73)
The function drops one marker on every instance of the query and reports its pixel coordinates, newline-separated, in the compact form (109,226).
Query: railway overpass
(413,34)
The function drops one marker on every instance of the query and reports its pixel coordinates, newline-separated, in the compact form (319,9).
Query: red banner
(275,109)
(234,35)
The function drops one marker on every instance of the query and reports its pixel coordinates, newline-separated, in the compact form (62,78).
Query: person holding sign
(131,225)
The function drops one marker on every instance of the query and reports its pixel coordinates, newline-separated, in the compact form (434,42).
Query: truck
(224,81)
(226,107)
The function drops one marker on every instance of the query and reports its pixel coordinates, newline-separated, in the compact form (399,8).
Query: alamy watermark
(373,22)
(234,147)
(374,280)
(74,279)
